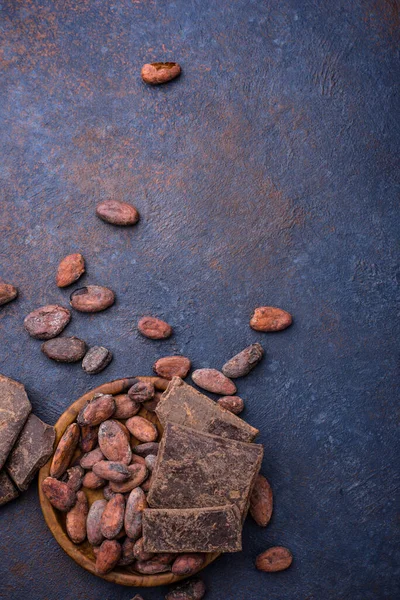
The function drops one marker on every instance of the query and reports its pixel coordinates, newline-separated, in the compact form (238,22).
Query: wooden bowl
(83,553)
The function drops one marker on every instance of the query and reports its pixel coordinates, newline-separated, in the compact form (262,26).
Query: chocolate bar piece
(31,451)
(7,490)
(14,410)
(196,470)
(211,529)
(183,404)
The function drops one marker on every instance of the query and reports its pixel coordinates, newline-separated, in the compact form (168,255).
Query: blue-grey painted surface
(266,175)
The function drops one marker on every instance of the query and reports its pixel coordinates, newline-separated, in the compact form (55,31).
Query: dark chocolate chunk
(184,405)
(197,470)
(14,411)
(31,451)
(7,489)
(215,529)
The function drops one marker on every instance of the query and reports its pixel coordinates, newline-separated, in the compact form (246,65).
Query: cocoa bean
(75,522)
(138,473)
(88,438)
(188,564)
(141,391)
(97,410)
(274,559)
(150,462)
(154,328)
(165,558)
(139,460)
(108,556)
(151,405)
(234,404)
(261,501)
(70,269)
(150,567)
(139,553)
(93,522)
(160,72)
(194,589)
(74,477)
(89,459)
(142,429)
(127,556)
(114,441)
(135,506)
(214,381)
(146,449)
(243,362)
(108,493)
(92,298)
(146,485)
(112,518)
(59,494)
(172,366)
(65,349)
(96,359)
(125,407)
(47,322)
(116,212)
(65,450)
(91,481)
(112,471)
(7,293)
(269,318)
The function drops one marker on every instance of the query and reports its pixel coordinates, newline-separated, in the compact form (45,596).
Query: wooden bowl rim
(50,514)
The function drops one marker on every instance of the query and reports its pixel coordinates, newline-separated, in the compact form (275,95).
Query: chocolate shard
(7,489)
(184,405)
(14,410)
(31,451)
(212,529)
(198,470)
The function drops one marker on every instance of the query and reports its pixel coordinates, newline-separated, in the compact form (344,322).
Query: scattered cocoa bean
(146,449)
(70,269)
(138,473)
(269,318)
(243,362)
(75,522)
(214,381)
(127,556)
(97,410)
(154,328)
(142,429)
(194,589)
(92,298)
(112,518)
(139,553)
(88,439)
(261,501)
(114,441)
(141,391)
(7,293)
(93,522)
(116,212)
(74,477)
(89,459)
(108,556)
(188,564)
(65,450)
(91,481)
(59,494)
(112,471)
(125,407)
(274,559)
(160,72)
(150,462)
(172,366)
(65,349)
(96,359)
(135,506)
(232,403)
(47,322)
(150,567)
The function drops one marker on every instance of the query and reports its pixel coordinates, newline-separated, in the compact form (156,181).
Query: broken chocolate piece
(31,451)
(184,405)
(197,470)
(7,490)
(14,411)
(214,529)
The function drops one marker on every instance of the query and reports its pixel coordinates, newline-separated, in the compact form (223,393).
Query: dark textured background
(267,174)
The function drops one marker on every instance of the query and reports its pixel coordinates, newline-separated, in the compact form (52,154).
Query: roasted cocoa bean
(93,522)
(7,293)
(116,212)
(65,349)
(135,506)
(75,522)
(47,322)
(70,269)
(150,462)
(146,449)
(96,359)
(88,439)
(234,404)
(146,485)
(127,556)
(91,481)
(92,298)
(114,441)
(112,471)
(141,429)
(160,72)
(97,410)
(139,460)
(74,477)
(89,459)
(242,363)
(274,559)
(59,494)
(154,328)
(138,473)
(65,450)
(151,405)
(139,553)
(214,381)
(141,391)
(172,366)
(188,564)
(269,318)
(150,567)
(194,589)
(125,407)
(261,501)
(108,556)
(112,518)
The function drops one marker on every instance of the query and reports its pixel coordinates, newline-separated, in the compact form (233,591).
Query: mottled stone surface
(31,451)
(14,410)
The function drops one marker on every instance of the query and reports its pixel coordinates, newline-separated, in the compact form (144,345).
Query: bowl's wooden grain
(82,553)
